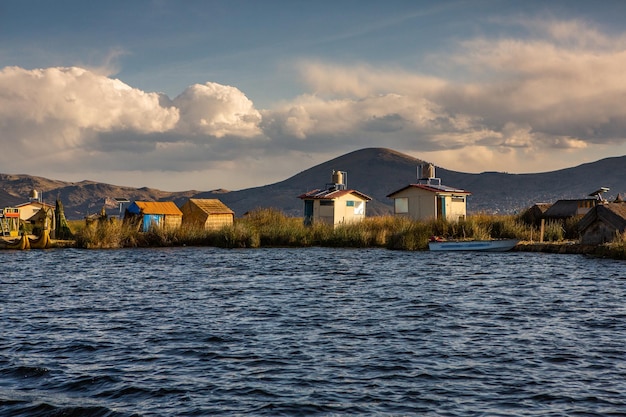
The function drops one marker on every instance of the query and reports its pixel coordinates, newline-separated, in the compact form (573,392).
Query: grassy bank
(271,228)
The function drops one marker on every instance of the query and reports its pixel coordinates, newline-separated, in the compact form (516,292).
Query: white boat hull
(502,245)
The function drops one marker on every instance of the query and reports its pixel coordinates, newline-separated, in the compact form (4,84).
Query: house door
(441,207)
(149,220)
(308,212)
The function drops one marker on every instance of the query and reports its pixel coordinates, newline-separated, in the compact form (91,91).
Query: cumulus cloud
(216,110)
(58,115)
(81,99)
(560,87)
(359,122)
(500,100)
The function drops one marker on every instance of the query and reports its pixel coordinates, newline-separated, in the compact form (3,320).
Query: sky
(202,94)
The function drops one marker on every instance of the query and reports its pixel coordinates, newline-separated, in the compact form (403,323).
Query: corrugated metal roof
(332,194)
(158,207)
(211,205)
(432,188)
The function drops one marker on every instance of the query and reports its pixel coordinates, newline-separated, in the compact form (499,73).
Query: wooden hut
(603,223)
(160,214)
(336,204)
(211,214)
(429,199)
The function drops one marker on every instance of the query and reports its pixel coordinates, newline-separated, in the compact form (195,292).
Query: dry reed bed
(271,228)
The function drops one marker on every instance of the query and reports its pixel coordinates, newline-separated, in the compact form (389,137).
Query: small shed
(211,214)
(429,199)
(336,204)
(160,214)
(603,223)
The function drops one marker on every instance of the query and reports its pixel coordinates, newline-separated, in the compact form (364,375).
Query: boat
(42,242)
(21,244)
(498,245)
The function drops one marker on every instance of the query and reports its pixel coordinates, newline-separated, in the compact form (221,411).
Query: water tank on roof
(337,177)
(34,195)
(426,171)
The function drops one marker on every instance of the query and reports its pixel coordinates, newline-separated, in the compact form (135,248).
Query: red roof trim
(332,194)
(447,190)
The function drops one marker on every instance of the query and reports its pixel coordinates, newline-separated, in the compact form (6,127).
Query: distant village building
(211,214)
(603,223)
(159,214)
(429,199)
(336,204)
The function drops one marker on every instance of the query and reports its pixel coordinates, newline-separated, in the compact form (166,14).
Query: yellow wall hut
(334,205)
(211,214)
(429,199)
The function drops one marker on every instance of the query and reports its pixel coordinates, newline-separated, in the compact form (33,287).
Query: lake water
(312,331)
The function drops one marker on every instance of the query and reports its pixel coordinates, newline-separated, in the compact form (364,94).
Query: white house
(429,199)
(335,204)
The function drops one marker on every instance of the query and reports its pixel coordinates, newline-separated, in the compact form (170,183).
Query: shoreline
(562,248)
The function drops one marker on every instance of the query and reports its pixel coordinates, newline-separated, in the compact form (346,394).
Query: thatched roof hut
(211,214)
(603,223)
(534,214)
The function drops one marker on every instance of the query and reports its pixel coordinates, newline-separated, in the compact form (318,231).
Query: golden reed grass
(267,227)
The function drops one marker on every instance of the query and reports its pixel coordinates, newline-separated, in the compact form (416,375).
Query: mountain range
(376,172)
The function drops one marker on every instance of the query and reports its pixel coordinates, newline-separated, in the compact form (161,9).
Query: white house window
(359,207)
(401,205)
(349,203)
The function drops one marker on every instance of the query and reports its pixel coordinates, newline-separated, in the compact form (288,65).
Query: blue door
(308,212)
(151,219)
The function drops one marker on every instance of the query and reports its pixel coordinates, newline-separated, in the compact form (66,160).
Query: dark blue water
(204,331)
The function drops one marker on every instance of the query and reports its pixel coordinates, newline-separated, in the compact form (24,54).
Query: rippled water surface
(204,331)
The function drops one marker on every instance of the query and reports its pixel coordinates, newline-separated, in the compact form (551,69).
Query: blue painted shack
(160,214)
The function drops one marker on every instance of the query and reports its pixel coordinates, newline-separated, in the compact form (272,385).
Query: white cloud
(563,90)
(517,101)
(216,110)
(79,98)
(73,118)
(55,111)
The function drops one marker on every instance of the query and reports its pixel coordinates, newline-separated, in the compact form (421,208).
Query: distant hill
(373,171)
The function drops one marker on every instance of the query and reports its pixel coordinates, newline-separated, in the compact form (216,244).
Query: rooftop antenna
(598,193)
